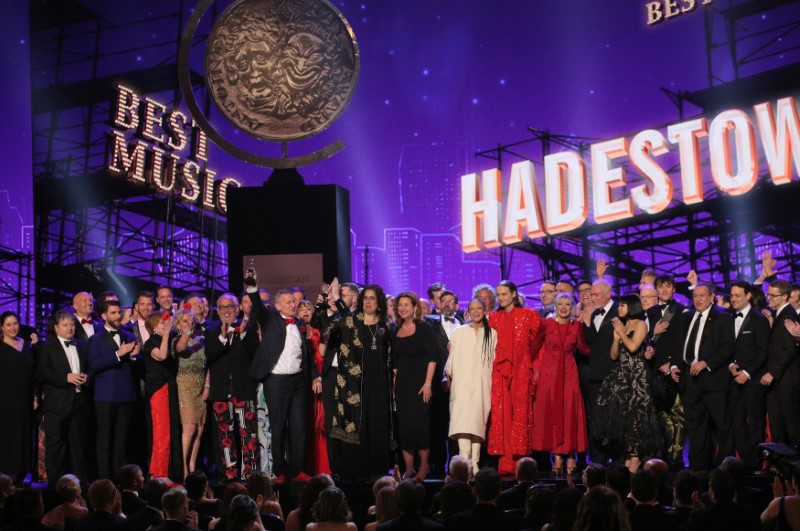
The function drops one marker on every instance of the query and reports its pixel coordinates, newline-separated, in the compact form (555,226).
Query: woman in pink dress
(559,418)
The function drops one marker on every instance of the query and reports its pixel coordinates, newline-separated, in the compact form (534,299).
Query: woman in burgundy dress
(317,454)
(559,418)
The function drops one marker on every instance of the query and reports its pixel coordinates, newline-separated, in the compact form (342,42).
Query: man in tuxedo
(435,291)
(177,516)
(144,307)
(131,482)
(106,504)
(700,367)
(750,349)
(547,295)
(664,333)
(195,300)
(229,353)
(114,362)
(598,332)
(443,325)
(283,362)
(165,298)
(61,368)
(782,378)
(85,326)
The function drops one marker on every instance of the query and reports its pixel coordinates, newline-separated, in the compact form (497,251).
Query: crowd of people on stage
(353,382)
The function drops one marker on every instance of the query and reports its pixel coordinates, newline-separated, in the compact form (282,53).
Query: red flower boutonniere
(187,306)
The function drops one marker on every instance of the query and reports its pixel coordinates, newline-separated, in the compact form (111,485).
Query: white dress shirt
(291,359)
(598,319)
(703,316)
(72,357)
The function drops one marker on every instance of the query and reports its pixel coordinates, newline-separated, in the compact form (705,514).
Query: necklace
(374,335)
(406,327)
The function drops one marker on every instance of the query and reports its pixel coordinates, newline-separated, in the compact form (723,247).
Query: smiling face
(405,308)
(286,304)
(144,306)
(448,305)
(82,302)
(10,327)
(564,307)
(547,294)
(476,311)
(370,302)
(165,299)
(739,298)
(702,298)
(505,297)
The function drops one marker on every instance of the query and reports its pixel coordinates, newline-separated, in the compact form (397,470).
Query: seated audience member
(381,482)
(686,498)
(175,504)
(197,490)
(243,514)
(618,477)
(299,518)
(540,507)
(566,510)
(485,514)
(454,498)
(68,491)
(784,511)
(30,508)
(410,498)
(231,491)
(458,472)
(661,469)
(515,497)
(601,509)
(647,514)
(724,514)
(7,513)
(385,508)
(259,487)
(593,475)
(744,494)
(331,512)
(151,514)
(106,515)
(131,481)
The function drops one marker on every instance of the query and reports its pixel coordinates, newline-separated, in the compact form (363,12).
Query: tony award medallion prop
(278,70)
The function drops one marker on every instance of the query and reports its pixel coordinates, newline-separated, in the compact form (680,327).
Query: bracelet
(426,385)
(207,386)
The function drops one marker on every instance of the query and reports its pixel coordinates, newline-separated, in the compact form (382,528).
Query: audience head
(349,294)
(703,295)
(644,486)
(687,482)
(601,509)
(448,303)
(527,468)
(547,292)
(153,320)
(381,482)
(454,498)
(619,478)
(459,468)
(648,277)
(565,286)
(6,486)
(309,495)
(385,505)
(144,304)
(734,467)
(540,504)
(424,306)
(68,488)
(721,487)
(175,503)
(658,467)
(259,487)
(487,485)
(196,484)
(778,294)
(758,300)
(594,475)
(665,286)
(104,496)
(130,477)
(331,506)
(231,491)
(410,496)
(566,508)
(28,503)
(435,293)
(154,489)
(585,292)
(242,513)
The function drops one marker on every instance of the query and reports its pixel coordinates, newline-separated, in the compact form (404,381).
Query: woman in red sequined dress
(317,453)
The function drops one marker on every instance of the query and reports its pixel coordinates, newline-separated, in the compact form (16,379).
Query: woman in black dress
(17,399)
(413,362)
(362,420)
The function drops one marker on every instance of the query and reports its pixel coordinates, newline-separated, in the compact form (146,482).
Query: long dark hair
(379,293)
(487,331)
(513,288)
(634,304)
(309,495)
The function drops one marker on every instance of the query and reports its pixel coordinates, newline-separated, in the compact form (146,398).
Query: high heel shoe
(571,466)
(558,465)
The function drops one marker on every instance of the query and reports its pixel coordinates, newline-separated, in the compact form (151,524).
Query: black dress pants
(287,403)
(706,412)
(113,432)
(748,414)
(65,440)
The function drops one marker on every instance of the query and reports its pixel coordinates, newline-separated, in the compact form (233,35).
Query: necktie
(692,340)
(86,321)
(289,320)
(70,344)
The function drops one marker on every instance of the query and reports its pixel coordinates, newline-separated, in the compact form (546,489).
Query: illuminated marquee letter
(153,111)
(480,209)
(190,185)
(126,116)
(654,13)
(177,139)
(605,179)
(657,196)
(565,191)
(121,160)
(522,205)
(222,193)
(733,123)
(208,188)
(163,180)
(686,135)
(200,144)
(781,145)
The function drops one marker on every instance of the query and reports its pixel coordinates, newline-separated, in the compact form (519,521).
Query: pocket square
(747,331)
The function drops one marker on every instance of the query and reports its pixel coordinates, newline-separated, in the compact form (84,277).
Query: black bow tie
(450,319)
(70,344)
(665,304)
(113,332)
(739,314)
(601,311)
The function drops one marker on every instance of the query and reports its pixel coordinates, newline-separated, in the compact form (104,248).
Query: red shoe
(279,479)
(302,476)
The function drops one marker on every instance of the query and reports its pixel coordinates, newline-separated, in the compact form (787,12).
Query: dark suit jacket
(600,362)
(115,378)
(80,333)
(131,503)
(229,365)
(484,516)
(663,344)
(783,359)
(751,347)
(52,368)
(514,497)
(716,349)
(407,522)
(273,340)
(649,518)
(102,521)
(725,517)
(148,516)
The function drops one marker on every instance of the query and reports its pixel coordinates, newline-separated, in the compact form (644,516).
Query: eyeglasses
(585,290)
(226,307)
(773,295)
(547,291)
(649,297)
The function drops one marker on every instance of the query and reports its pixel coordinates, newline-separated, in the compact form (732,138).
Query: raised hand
(601,268)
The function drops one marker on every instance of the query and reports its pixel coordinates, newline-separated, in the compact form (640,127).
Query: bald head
(83,304)
(526,470)
(657,467)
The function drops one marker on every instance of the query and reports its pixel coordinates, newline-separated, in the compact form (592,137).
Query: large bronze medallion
(281,70)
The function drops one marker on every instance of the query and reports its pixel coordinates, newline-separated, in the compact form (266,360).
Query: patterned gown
(626,418)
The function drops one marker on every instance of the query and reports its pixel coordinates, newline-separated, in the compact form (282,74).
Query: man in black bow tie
(750,351)
(664,333)
(284,363)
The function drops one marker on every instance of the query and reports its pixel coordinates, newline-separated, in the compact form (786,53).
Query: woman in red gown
(317,453)
(559,417)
